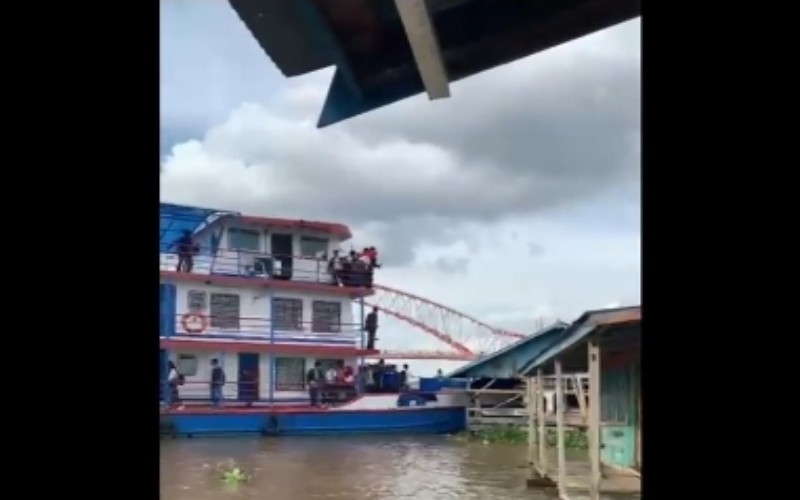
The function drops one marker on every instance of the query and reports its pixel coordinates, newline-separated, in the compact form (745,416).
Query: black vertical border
(81,195)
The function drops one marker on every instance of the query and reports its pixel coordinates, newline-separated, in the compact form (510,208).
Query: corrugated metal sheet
(528,347)
(366,40)
(588,323)
(283,34)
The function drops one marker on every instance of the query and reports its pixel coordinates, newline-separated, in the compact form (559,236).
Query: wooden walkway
(487,416)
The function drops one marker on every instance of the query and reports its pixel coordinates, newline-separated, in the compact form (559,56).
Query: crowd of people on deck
(336,384)
(354,269)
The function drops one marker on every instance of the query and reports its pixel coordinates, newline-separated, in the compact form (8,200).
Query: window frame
(292,385)
(200,303)
(183,357)
(227,323)
(315,240)
(242,231)
(294,325)
(321,326)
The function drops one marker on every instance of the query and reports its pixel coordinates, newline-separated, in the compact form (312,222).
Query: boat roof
(175,219)
(369,46)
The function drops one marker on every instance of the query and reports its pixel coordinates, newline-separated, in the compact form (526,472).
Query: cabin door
(248,376)
(282,252)
(618,412)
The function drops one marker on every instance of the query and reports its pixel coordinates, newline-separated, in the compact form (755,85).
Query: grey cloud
(535,249)
(527,137)
(453,265)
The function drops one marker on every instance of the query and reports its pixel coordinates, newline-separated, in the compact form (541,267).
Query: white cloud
(515,199)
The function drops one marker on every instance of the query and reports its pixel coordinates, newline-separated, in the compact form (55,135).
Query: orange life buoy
(194,323)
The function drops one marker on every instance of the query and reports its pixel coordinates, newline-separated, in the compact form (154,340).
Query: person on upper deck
(335,267)
(186,249)
(372,254)
(371,327)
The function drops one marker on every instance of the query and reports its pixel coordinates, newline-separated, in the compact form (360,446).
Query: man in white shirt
(174,380)
(330,375)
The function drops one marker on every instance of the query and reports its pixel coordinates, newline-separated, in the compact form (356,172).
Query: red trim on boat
(225,345)
(331,228)
(235,281)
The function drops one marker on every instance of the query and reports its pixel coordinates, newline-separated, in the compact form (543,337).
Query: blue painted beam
(342,104)
(326,39)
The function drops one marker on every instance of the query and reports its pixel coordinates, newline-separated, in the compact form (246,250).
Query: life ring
(194,323)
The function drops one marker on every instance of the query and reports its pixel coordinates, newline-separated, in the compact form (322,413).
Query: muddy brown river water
(348,468)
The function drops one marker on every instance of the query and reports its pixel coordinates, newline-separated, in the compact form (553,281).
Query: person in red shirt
(347,375)
(372,254)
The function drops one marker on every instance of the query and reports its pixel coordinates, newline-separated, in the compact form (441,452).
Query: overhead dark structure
(387,50)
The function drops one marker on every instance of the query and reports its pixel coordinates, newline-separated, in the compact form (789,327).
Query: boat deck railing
(262,265)
(247,393)
(195,323)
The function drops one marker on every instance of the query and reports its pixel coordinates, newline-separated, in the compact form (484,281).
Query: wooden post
(542,424)
(530,406)
(594,420)
(638,395)
(538,471)
(561,445)
(580,395)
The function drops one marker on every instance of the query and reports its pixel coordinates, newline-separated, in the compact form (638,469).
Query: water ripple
(352,468)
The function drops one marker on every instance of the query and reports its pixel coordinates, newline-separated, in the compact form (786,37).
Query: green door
(618,410)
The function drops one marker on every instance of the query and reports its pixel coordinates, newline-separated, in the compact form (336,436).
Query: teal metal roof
(582,328)
(527,348)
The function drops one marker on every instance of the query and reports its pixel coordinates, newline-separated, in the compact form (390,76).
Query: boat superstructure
(258,297)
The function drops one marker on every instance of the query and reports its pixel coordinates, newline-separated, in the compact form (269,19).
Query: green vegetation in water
(230,473)
(573,438)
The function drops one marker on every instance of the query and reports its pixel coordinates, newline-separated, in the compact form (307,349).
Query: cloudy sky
(516,199)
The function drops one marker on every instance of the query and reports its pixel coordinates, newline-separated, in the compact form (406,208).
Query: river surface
(348,468)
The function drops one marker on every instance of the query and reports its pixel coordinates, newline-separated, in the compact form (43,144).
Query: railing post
(272,369)
(167,394)
(361,332)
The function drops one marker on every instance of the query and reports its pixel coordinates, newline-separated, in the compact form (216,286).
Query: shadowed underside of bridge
(388,50)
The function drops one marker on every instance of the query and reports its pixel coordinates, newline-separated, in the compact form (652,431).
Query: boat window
(313,247)
(290,374)
(287,313)
(326,317)
(187,364)
(196,300)
(244,239)
(225,311)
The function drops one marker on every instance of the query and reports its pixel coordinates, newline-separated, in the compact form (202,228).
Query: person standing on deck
(335,268)
(371,327)
(217,383)
(404,378)
(174,379)
(186,249)
(314,378)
